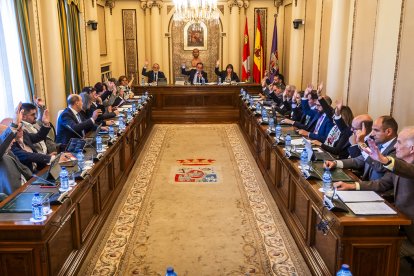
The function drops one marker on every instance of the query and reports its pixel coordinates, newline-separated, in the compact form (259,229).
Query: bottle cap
(345,266)
(170,269)
(36,194)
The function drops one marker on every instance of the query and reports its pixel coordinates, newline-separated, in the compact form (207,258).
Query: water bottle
(271,124)
(203,81)
(327,183)
(251,102)
(344,271)
(288,142)
(129,114)
(143,81)
(81,158)
(304,161)
(219,81)
(98,143)
(37,208)
(146,94)
(258,109)
(278,131)
(242,92)
(121,123)
(134,108)
(64,180)
(111,132)
(170,272)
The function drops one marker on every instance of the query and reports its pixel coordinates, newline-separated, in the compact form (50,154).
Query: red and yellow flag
(246,55)
(258,57)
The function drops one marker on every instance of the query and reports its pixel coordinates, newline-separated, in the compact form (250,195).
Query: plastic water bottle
(146,94)
(219,81)
(278,131)
(203,81)
(37,208)
(251,102)
(271,123)
(121,123)
(344,271)
(143,81)
(304,161)
(64,180)
(111,132)
(288,142)
(134,108)
(242,92)
(170,272)
(129,114)
(327,183)
(98,143)
(81,159)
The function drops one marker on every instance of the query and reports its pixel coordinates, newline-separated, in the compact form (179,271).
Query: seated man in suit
(195,75)
(72,123)
(30,125)
(323,124)
(154,74)
(384,133)
(400,182)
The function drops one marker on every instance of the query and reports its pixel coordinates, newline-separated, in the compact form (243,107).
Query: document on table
(359,196)
(370,208)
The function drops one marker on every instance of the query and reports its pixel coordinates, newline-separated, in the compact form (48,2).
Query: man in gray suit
(384,133)
(400,179)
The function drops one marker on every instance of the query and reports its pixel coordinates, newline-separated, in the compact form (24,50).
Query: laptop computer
(162,82)
(51,175)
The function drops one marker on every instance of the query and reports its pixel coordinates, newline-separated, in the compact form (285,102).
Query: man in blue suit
(73,119)
(153,75)
(195,75)
(323,124)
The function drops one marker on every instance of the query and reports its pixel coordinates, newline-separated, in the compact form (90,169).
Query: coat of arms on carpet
(195,170)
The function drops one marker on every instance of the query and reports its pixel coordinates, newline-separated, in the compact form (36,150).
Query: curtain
(76,49)
(64,37)
(22,17)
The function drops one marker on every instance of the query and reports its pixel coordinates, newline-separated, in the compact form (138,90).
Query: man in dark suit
(384,133)
(323,124)
(195,75)
(73,120)
(399,181)
(154,75)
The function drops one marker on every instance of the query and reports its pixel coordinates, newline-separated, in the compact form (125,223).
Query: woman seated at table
(337,142)
(227,75)
(91,102)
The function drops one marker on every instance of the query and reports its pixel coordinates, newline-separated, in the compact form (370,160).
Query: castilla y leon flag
(258,58)
(274,58)
(246,55)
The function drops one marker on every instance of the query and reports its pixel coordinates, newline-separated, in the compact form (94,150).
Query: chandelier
(195,11)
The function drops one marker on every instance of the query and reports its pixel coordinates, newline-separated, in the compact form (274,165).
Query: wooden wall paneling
(105,185)
(18,261)
(300,208)
(88,209)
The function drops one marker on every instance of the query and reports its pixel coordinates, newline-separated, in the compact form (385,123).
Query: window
(13,83)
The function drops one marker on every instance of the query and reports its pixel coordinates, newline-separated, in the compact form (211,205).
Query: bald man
(73,119)
(361,127)
(401,181)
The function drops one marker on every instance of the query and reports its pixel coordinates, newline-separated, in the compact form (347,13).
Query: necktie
(155,76)
(79,118)
(319,123)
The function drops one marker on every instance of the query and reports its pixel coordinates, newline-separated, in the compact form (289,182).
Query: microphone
(77,134)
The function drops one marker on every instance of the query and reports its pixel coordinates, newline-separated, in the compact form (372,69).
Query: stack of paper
(365,203)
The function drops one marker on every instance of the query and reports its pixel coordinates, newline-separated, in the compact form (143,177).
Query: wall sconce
(297,23)
(110,4)
(93,24)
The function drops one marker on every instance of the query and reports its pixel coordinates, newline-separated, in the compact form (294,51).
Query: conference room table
(369,244)
(58,245)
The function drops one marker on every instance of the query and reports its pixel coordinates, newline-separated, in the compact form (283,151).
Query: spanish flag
(258,57)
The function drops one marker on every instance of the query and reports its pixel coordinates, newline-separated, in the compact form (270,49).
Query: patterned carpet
(195,200)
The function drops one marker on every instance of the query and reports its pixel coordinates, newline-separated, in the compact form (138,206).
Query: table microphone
(77,134)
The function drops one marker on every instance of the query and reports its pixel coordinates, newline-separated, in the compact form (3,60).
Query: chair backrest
(57,120)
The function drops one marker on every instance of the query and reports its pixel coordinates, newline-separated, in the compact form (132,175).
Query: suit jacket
(101,118)
(28,158)
(5,139)
(323,130)
(223,75)
(192,73)
(150,75)
(372,170)
(68,118)
(403,193)
(10,171)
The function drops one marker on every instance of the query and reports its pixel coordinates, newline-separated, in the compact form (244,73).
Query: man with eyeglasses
(384,134)
(153,75)
(196,76)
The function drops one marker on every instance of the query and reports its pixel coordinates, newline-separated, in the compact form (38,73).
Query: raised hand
(218,63)
(360,134)
(46,117)
(146,63)
(320,88)
(375,153)
(338,108)
(308,89)
(18,114)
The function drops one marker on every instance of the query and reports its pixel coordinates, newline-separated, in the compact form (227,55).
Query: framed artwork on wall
(195,36)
